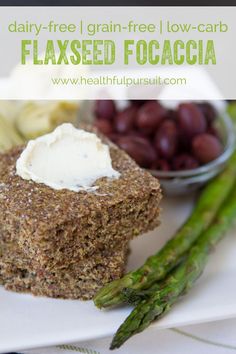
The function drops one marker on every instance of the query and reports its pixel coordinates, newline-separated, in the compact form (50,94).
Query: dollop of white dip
(67,158)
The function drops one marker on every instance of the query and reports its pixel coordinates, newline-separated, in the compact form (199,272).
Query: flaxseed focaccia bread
(62,233)
(78,281)
(56,228)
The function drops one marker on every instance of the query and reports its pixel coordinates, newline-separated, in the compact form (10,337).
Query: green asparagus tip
(111,294)
(107,295)
(140,318)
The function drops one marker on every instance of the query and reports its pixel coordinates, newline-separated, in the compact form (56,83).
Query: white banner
(118,52)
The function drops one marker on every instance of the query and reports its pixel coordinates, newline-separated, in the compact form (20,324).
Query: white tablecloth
(208,338)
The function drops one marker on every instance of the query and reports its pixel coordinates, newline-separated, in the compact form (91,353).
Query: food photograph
(117,177)
(111,217)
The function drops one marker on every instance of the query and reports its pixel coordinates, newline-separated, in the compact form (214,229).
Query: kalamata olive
(137,133)
(184,162)
(104,126)
(166,139)
(114,137)
(139,149)
(124,120)
(209,111)
(171,114)
(184,142)
(150,116)
(191,119)
(206,148)
(213,131)
(138,103)
(161,165)
(105,109)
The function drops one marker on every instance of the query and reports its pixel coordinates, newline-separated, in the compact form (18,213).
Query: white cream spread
(67,158)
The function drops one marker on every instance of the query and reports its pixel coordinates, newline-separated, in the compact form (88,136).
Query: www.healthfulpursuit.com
(114,80)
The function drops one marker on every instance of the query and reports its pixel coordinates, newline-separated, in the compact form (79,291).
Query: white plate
(28,322)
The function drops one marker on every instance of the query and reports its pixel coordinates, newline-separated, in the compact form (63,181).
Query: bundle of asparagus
(156,267)
(160,297)
(167,275)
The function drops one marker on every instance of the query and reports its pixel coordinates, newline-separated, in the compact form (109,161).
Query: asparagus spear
(157,266)
(180,280)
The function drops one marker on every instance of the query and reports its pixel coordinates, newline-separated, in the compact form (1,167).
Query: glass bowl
(177,183)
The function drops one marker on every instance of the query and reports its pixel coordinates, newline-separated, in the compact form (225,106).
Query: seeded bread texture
(61,233)
(56,228)
(78,281)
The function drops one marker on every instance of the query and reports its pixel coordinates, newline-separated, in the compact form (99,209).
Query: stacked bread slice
(66,244)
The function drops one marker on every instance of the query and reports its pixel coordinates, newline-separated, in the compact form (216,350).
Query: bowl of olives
(183,147)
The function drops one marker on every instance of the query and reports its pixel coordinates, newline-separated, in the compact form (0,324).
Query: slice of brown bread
(67,244)
(57,228)
(78,281)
